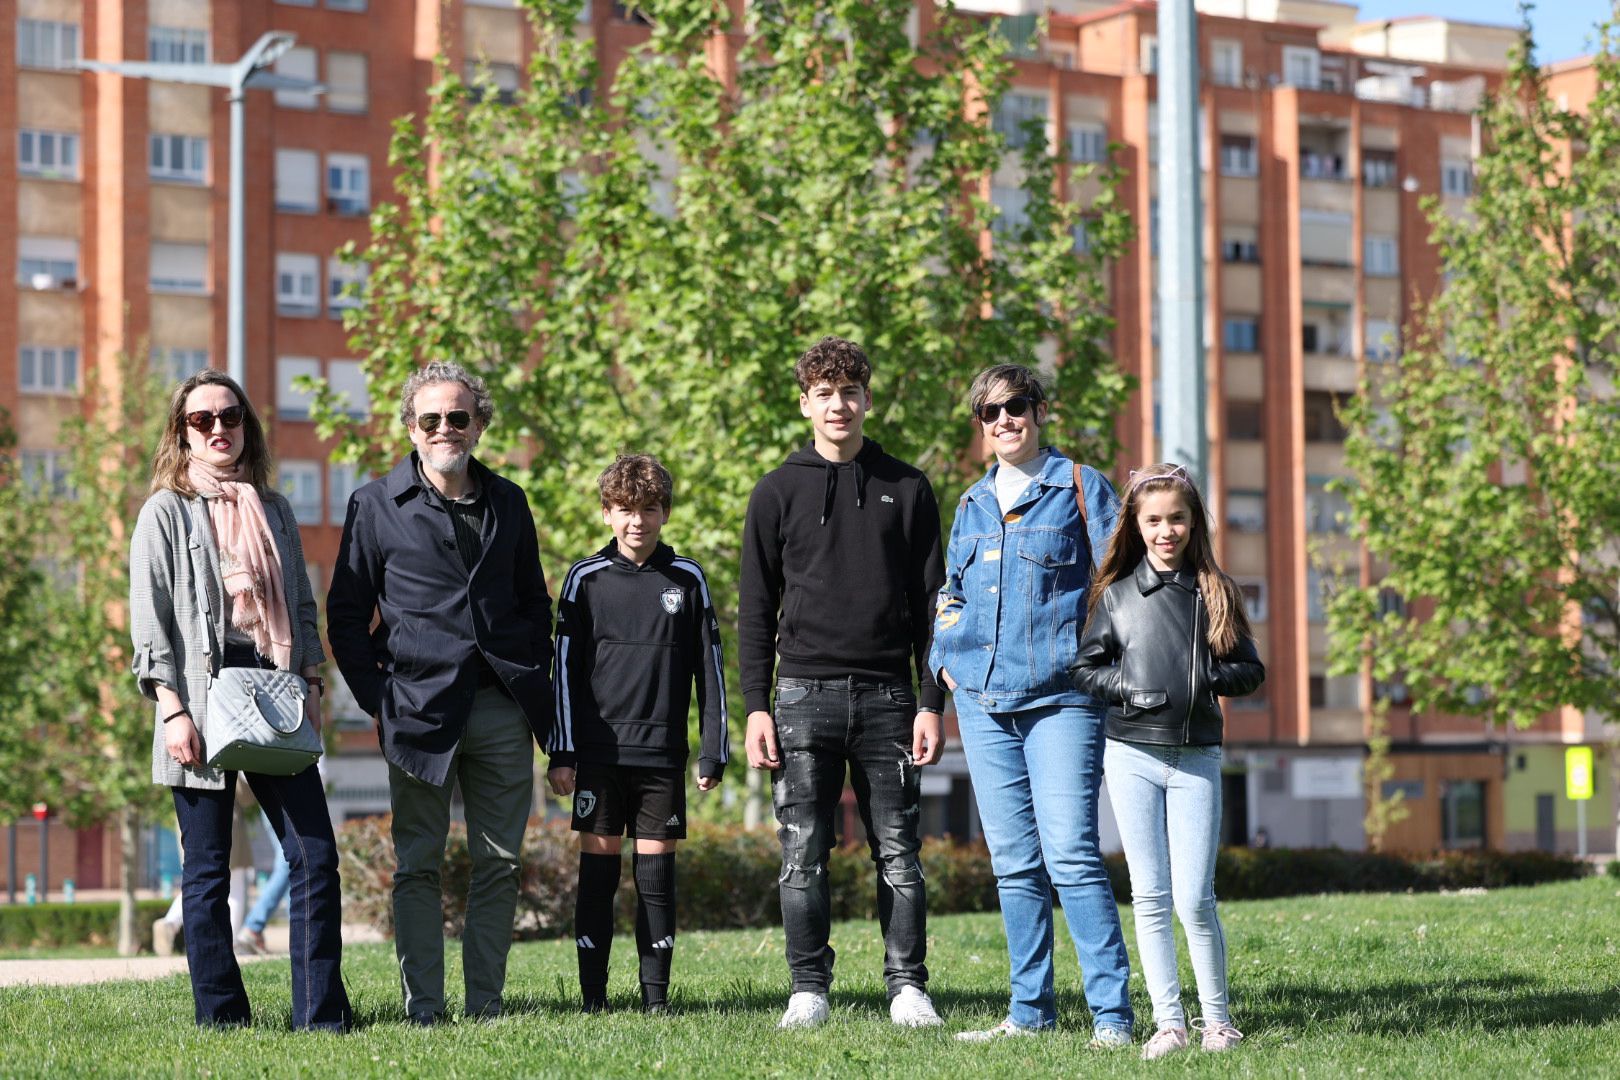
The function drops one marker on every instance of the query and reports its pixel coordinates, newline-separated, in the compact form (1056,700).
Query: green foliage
(639,270)
(26,698)
(1484,461)
(24,926)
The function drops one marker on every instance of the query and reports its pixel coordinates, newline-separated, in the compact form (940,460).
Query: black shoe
(656,1008)
(594,1005)
(425,1019)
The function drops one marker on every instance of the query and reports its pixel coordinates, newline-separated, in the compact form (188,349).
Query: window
(1088,142)
(50,155)
(48,369)
(298,284)
(1323,334)
(45,472)
(1335,692)
(1148,54)
(1325,511)
(1239,156)
(301,483)
(348,382)
(47,262)
(1378,168)
(1456,178)
(1324,238)
(1302,67)
(179,268)
(1391,604)
(298,180)
(292,403)
(346,5)
(504,80)
(1321,417)
(182,158)
(1462,813)
(1013,204)
(1226,63)
(348,183)
(297,62)
(1408,790)
(1246,511)
(1383,340)
(1379,256)
(1016,114)
(342,481)
(1240,333)
(344,280)
(1254,598)
(629,13)
(178,365)
(173,45)
(1240,244)
(1244,420)
(346,81)
(43,44)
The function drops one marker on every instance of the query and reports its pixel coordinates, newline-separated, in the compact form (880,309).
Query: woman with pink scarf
(217,580)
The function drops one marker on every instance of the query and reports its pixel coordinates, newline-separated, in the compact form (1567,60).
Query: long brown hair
(172,459)
(1228,622)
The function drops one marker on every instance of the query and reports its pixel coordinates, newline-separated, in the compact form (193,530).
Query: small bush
(43,926)
(1613,869)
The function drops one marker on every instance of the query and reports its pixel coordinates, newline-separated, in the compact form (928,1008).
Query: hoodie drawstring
(832,489)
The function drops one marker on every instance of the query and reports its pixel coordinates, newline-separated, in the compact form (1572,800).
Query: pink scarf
(249,561)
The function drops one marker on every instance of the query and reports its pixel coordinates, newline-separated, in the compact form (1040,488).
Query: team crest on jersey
(584,803)
(672,600)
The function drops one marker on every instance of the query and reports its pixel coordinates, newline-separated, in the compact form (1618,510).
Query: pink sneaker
(1218,1036)
(1165,1041)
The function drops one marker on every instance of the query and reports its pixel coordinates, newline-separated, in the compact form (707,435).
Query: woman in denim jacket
(1006,630)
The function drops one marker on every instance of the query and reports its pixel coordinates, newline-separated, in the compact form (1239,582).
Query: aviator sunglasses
(202,421)
(990,411)
(457,418)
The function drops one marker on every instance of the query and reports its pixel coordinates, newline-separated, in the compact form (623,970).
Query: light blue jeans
(1149,787)
(1036,776)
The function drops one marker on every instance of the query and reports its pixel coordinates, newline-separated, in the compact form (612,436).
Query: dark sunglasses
(990,411)
(202,421)
(457,418)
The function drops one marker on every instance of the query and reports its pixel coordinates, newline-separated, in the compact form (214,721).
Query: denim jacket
(1008,620)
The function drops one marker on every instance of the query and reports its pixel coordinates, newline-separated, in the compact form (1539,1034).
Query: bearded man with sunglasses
(457,673)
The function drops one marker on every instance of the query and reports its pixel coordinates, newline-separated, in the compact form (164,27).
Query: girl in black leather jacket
(1165,636)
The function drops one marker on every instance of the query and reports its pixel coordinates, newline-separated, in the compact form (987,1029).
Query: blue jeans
(1036,776)
(822,724)
(296,806)
(274,891)
(1149,787)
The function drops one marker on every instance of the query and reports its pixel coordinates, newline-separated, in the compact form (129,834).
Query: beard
(449,460)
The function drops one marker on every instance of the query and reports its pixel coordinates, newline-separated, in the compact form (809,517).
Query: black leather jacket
(1146,652)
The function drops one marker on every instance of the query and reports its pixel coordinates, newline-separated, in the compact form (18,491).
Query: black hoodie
(841,564)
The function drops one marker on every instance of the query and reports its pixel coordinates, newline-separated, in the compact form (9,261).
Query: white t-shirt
(1011,480)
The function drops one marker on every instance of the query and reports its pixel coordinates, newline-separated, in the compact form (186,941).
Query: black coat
(418,671)
(1146,652)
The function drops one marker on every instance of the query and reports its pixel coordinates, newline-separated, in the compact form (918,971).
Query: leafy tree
(1485,460)
(639,270)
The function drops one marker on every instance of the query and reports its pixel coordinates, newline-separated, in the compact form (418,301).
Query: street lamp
(249,73)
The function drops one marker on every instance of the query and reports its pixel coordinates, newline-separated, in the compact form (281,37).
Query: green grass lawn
(1510,983)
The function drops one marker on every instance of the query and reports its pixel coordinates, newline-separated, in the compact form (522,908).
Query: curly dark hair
(832,360)
(635,480)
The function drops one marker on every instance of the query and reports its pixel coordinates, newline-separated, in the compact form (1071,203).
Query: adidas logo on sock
(666,943)
(585,943)
(674,819)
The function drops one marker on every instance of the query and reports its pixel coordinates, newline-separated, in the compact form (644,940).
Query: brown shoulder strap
(1080,498)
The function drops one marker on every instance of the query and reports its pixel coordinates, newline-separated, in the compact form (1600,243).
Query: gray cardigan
(172,549)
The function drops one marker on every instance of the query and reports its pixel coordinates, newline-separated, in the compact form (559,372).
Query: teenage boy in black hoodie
(840,566)
(635,629)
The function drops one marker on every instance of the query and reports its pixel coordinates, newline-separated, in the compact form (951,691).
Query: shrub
(24,926)
(1613,869)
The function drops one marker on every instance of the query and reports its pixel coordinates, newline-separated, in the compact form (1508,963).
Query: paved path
(115,968)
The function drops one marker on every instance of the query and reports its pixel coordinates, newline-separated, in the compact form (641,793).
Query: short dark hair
(832,360)
(635,480)
(1018,379)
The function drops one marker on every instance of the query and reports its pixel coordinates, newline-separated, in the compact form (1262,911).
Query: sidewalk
(115,968)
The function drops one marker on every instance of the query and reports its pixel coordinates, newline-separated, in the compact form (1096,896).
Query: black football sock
(655,924)
(593,923)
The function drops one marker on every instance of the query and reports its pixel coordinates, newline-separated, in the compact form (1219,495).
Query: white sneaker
(912,1007)
(1004,1030)
(806,1009)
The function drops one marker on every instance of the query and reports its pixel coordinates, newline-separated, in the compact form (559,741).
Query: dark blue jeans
(296,807)
(822,725)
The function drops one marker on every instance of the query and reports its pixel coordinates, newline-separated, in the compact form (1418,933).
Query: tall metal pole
(11,864)
(1182,388)
(235,306)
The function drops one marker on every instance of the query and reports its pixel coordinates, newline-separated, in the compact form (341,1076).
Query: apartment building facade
(1320,136)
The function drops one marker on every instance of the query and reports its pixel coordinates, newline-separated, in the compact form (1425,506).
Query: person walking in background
(1018,570)
(1166,636)
(217,579)
(458,674)
(840,563)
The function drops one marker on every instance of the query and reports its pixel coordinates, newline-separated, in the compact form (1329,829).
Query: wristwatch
(316,683)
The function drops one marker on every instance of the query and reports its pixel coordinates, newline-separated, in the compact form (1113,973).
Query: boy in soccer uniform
(636,630)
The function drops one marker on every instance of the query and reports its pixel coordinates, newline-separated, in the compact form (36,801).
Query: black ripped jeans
(822,725)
